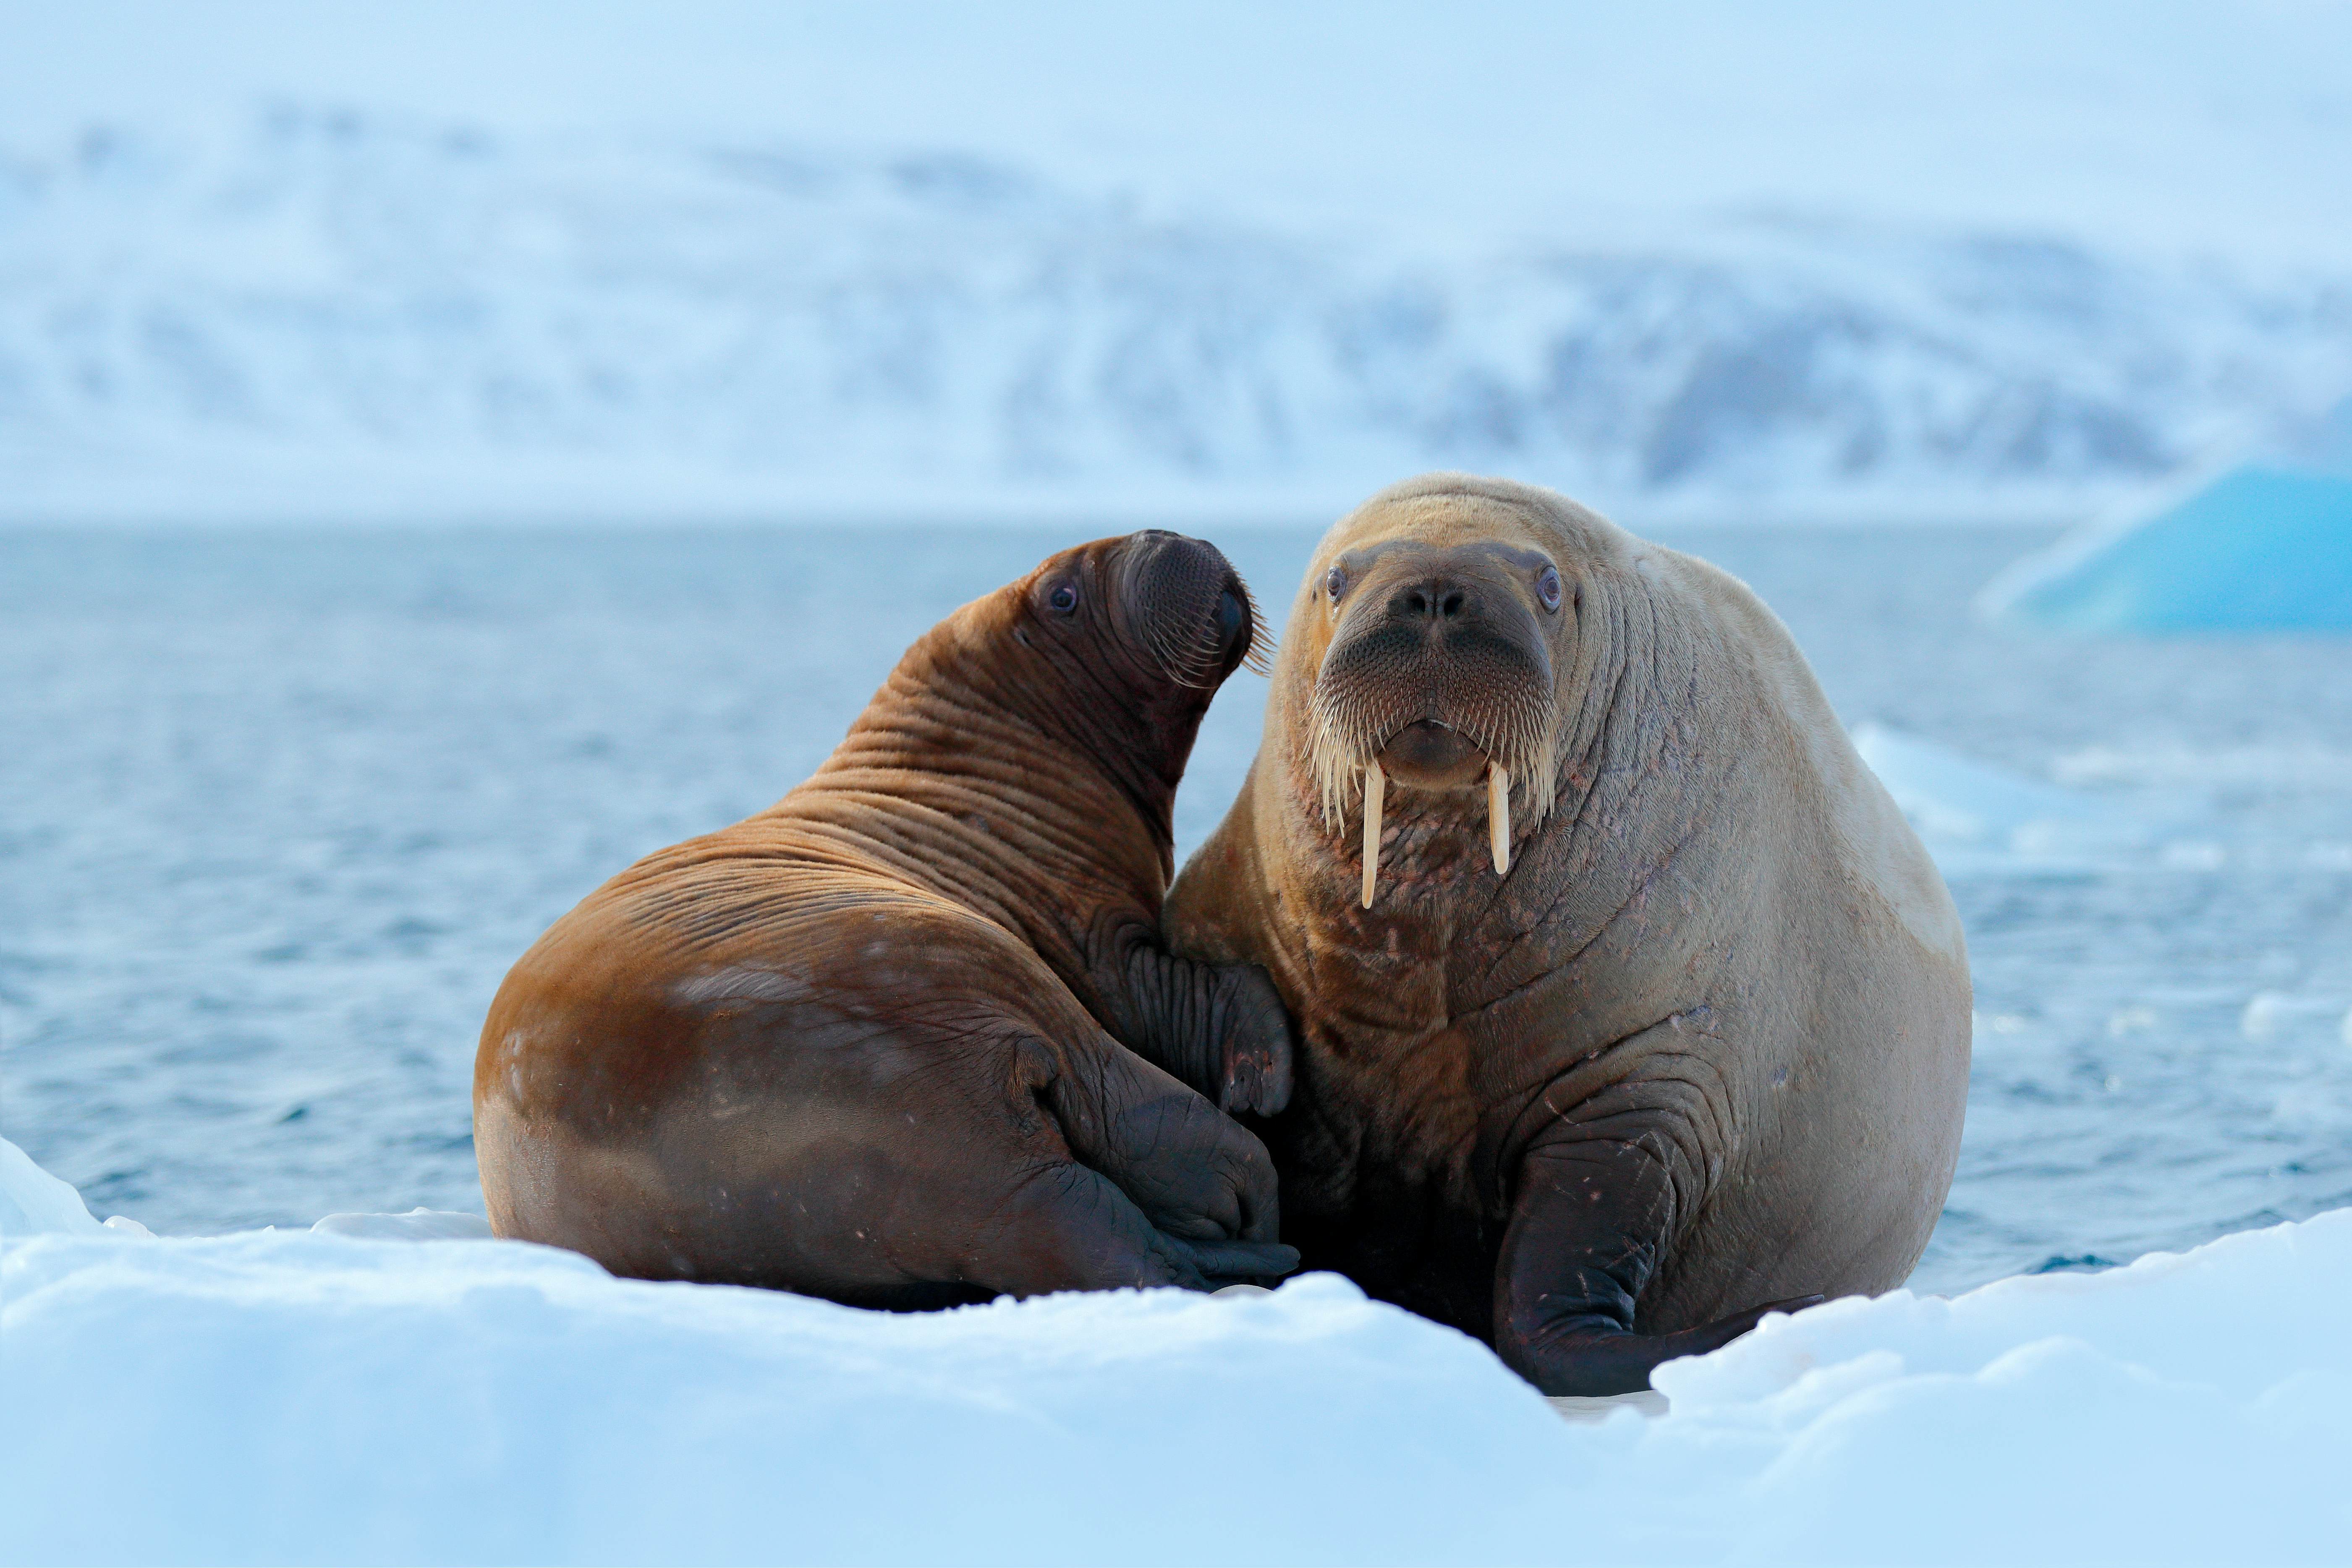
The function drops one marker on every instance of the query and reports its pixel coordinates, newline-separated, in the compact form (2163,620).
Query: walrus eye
(1548,588)
(1063,598)
(1334,581)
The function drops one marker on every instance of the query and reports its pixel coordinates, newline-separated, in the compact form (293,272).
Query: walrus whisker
(1498,816)
(1177,663)
(1187,647)
(1350,727)
(1375,786)
(1194,666)
(1259,657)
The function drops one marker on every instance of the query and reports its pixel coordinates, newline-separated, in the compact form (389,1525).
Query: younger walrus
(856,1046)
(1628,1007)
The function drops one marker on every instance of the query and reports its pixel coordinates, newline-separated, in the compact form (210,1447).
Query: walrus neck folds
(1048,786)
(1087,719)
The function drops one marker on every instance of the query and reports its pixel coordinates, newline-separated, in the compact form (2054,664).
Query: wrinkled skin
(867,1044)
(1702,1052)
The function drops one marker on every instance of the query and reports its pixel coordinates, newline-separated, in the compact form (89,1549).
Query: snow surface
(419,1224)
(2263,548)
(301,1397)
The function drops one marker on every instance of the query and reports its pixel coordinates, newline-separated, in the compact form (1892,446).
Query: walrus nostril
(1232,621)
(1430,601)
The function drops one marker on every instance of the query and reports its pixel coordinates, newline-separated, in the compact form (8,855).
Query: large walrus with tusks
(867,1044)
(1628,1006)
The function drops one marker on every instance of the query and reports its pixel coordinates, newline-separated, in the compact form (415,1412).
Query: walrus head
(1117,647)
(1437,621)
(1166,609)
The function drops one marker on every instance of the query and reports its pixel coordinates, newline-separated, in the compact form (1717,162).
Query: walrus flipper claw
(1225,1263)
(1220,1029)
(1196,1174)
(1253,1036)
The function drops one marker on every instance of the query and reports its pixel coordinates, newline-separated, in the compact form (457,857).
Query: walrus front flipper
(1592,1218)
(1198,1176)
(1219,1027)
(1070,1228)
(1162,1188)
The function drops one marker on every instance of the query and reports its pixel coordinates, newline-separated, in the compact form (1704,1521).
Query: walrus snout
(1438,668)
(1444,636)
(1439,672)
(1188,607)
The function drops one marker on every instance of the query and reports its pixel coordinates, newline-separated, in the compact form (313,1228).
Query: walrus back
(1878,845)
(707,1071)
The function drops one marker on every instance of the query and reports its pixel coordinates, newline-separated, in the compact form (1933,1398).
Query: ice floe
(2110,809)
(1972,815)
(32,1200)
(312,1396)
(2262,547)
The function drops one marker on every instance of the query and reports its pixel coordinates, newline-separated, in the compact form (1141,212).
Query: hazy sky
(2208,127)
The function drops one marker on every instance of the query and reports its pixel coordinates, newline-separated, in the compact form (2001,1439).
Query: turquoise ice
(2263,548)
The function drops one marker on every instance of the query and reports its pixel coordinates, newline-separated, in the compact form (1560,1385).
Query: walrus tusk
(1498,816)
(1375,783)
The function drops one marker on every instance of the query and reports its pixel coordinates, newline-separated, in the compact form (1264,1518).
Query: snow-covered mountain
(332,311)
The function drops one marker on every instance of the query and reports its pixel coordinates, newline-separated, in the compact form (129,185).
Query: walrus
(1627,1007)
(874,1042)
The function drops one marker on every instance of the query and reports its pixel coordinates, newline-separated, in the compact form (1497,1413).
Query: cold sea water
(278,809)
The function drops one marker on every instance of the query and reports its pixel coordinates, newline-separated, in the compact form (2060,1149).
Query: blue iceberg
(2266,546)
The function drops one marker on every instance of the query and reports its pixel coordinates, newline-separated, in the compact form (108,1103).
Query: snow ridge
(330,290)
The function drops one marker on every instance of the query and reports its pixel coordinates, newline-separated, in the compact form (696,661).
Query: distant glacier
(327,311)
